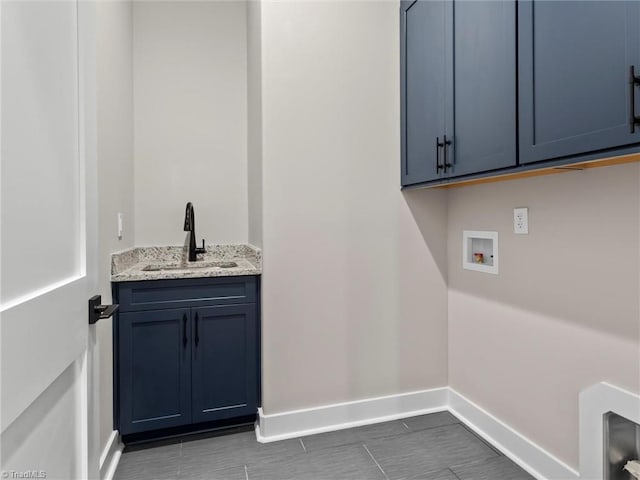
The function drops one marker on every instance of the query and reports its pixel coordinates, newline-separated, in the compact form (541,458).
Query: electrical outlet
(521,221)
(120,226)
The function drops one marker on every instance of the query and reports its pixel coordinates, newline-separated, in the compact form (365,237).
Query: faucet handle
(203,249)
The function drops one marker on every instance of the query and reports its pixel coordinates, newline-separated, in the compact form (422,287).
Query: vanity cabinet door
(224,362)
(155,370)
(575,91)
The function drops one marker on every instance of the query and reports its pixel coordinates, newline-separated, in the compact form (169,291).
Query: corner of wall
(254,121)
(114,58)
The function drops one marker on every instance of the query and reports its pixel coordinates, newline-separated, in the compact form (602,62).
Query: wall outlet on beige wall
(521,221)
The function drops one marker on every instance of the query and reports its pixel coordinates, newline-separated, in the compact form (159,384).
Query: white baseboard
(299,423)
(531,457)
(110,456)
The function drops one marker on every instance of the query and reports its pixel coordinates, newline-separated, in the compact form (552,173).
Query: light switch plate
(521,221)
(120,226)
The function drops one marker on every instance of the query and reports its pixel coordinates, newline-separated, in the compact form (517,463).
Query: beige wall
(190,95)
(115,172)
(254,110)
(564,312)
(354,294)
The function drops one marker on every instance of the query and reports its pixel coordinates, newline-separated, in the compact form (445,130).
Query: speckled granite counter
(160,263)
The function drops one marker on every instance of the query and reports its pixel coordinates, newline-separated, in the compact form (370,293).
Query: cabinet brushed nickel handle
(197,335)
(445,144)
(634,81)
(184,330)
(438,145)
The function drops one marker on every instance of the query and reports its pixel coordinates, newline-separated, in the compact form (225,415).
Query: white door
(48,235)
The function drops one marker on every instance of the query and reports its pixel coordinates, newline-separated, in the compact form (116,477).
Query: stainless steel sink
(188,266)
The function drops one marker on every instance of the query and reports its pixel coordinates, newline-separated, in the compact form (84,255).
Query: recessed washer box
(480,251)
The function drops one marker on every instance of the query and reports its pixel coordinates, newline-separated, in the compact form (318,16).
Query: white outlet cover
(521,221)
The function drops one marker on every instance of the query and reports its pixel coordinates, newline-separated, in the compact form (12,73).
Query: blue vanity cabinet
(155,370)
(424,90)
(574,77)
(186,354)
(224,362)
(484,87)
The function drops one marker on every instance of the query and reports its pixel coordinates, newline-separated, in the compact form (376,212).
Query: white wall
(354,290)
(564,312)
(115,172)
(190,96)
(254,111)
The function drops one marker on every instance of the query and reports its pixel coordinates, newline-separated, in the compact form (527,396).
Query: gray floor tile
(345,463)
(351,462)
(441,475)
(297,467)
(429,450)
(229,451)
(498,452)
(159,463)
(432,420)
(198,471)
(353,435)
(500,468)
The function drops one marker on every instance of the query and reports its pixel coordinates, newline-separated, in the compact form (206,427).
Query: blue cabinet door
(425,72)
(574,60)
(224,362)
(154,369)
(484,56)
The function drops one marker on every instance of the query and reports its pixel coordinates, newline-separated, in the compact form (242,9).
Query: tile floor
(430,447)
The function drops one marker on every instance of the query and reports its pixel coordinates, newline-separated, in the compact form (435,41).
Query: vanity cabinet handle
(197,335)
(184,330)
(634,81)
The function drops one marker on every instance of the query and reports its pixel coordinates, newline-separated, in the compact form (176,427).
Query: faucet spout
(190,226)
(189,219)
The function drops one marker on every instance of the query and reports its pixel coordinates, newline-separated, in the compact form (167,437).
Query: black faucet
(190,226)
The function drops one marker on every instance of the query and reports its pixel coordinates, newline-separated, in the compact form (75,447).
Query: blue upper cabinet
(575,92)
(424,27)
(484,88)
(458,79)
(502,87)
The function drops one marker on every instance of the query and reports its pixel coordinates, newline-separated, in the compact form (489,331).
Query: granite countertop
(161,263)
